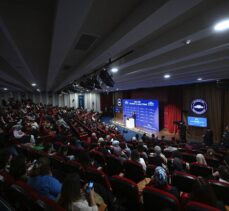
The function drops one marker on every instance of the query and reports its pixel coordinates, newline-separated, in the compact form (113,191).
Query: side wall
(91,100)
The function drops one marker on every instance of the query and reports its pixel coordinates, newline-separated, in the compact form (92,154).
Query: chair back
(197,206)
(183,181)
(156,199)
(126,192)
(221,190)
(133,171)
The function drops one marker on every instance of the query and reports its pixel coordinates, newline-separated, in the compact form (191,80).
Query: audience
(61,130)
(18,168)
(75,198)
(202,192)
(42,180)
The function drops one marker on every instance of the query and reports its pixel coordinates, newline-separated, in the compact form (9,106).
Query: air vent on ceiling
(85,42)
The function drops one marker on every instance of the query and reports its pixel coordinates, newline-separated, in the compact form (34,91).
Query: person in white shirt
(75,198)
(136,157)
(20,135)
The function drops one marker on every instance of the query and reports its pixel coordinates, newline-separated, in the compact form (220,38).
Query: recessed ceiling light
(114,70)
(38,90)
(222,25)
(167,76)
(187,42)
(5,89)
(33,84)
(199,79)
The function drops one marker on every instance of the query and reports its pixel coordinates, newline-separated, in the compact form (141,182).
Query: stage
(164,132)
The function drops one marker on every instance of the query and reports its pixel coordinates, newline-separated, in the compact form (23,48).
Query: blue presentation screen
(147,113)
(197,121)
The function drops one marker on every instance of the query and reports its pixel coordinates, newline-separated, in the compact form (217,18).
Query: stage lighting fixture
(106,78)
(87,84)
(96,82)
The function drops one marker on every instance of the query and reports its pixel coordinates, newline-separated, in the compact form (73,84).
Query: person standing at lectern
(134,117)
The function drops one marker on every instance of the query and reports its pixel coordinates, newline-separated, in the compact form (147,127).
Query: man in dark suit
(134,117)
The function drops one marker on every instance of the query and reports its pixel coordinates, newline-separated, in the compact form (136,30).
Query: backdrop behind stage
(147,113)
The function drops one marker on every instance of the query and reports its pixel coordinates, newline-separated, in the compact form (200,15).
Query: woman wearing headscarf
(160,181)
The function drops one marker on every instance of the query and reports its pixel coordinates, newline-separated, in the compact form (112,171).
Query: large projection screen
(147,113)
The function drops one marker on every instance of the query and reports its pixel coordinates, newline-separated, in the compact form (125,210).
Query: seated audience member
(157,152)
(116,148)
(134,139)
(177,163)
(200,159)
(142,152)
(153,138)
(202,192)
(42,180)
(136,157)
(224,174)
(170,149)
(21,136)
(18,168)
(160,181)
(86,161)
(75,198)
(211,153)
(126,151)
(5,158)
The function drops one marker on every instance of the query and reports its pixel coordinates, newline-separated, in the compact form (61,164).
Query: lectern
(130,122)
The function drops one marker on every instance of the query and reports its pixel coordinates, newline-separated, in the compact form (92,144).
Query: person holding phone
(75,198)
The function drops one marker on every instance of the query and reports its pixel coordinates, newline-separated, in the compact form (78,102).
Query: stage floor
(164,132)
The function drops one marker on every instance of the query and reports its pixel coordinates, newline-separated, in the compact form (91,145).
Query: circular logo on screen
(199,106)
(119,102)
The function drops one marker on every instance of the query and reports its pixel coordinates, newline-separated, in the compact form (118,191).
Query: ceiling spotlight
(5,89)
(199,79)
(38,90)
(167,76)
(222,25)
(114,70)
(187,42)
(33,84)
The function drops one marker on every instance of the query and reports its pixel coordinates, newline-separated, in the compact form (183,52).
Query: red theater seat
(98,157)
(114,165)
(183,181)
(97,176)
(19,198)
(126,192)
(196,206)
(200,170)
(188,157)
(133,171)
(221,190)
(72,166)
(156,199)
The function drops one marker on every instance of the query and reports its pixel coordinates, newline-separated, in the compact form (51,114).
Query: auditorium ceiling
(55,42)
